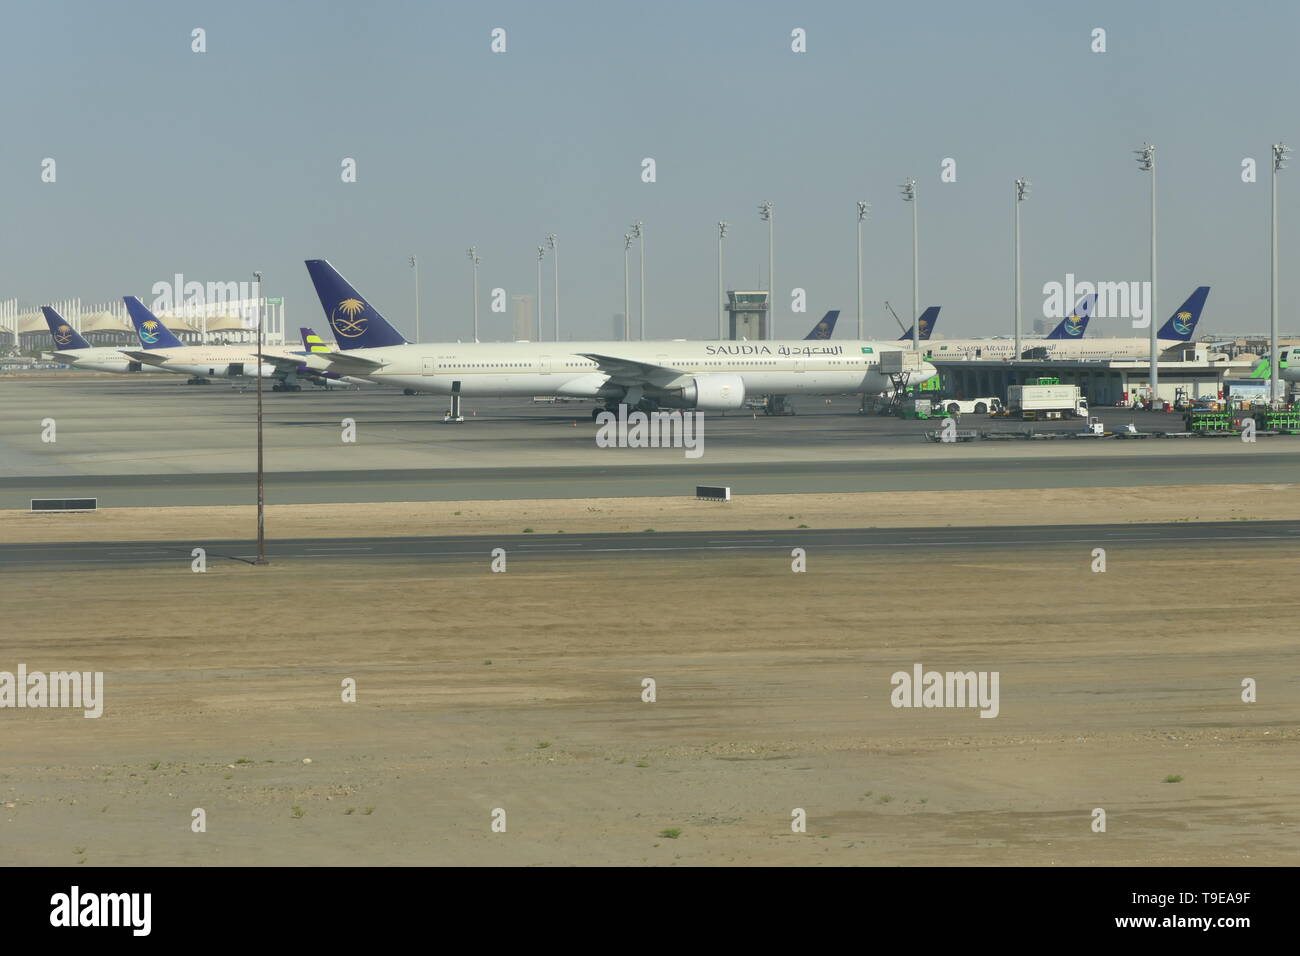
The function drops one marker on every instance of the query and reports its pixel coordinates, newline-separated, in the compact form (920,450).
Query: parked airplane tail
(312,342)
(65,336)
(356,323)
(153,334)
(928,318)
(1076,323)
(826,327)
(1182,324)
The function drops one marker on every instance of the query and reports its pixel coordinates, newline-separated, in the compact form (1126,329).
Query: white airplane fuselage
(1073,349)
(799,367)
(99,359)
(218,361)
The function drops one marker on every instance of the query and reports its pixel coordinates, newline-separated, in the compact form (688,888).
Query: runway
(649,544)
(152,442)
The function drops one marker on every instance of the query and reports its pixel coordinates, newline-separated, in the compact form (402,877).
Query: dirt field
(883,509)
(773,694)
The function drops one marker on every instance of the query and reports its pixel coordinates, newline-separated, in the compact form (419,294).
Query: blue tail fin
(153,334)
(356,323)
(65,336)
(1182,324)
(1076,323)
(826,327)
(928,318)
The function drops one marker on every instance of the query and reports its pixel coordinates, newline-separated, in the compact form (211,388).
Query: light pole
(416,266)
(765,214)
(1022,190)
(261,489)
(472,253)
(550,243)
(864,208)
(722,312)
(909,195)
(1146,159)
(1279,163)
(541,254)
(638,233)
(627,304)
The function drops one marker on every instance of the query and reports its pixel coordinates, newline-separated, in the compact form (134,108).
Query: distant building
(620,327)
(747,315)
(525,322)
(1042,326)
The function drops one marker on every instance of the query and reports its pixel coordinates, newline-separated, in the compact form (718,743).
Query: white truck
(969,406)
(1044,400)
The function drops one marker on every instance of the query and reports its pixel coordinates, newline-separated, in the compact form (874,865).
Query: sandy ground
(522,691)
(882,509)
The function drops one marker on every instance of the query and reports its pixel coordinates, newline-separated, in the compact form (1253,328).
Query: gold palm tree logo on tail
(347,319)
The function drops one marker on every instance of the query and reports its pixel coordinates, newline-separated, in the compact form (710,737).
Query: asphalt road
(651,544)
(614,481)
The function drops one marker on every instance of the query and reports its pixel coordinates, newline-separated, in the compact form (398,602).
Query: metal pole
(261,489)
(1274,394)
(551,243)
(916,280)
(859,261)
(541,252)
(415,264)
(722,312)
(1016,271)
(1155,353)
(472,255)
(639,232)
(627,301)
(765,213)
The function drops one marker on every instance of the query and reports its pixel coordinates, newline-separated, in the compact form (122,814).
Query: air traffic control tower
(747,316)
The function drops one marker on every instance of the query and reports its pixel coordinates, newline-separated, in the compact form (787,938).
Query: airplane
(313,344)
(1067,341)
(71,348)
(1286,372)
(928,318)
(710,376)
(162,350)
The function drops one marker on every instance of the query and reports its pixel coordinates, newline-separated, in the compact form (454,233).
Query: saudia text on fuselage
(748,349)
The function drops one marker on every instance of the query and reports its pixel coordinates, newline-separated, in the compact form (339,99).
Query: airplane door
(800,365)
(544,364)
(429,365)
(662,360)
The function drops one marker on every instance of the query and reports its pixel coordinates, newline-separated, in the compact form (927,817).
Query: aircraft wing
(340,363)
(623,371)
(344,363)
(149,358)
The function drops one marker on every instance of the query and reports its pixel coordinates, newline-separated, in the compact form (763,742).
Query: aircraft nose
(926,372)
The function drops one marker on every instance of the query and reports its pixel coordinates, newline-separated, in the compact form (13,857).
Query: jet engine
(714,393)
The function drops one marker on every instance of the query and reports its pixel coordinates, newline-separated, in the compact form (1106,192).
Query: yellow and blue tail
(153,334)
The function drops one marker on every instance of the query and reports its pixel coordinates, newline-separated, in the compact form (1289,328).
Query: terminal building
(231,321)
(1102,381)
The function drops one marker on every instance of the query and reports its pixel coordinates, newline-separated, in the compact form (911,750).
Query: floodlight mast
(1146,160)
(909,195)
(1022,191)
(1279,163)
(864,210)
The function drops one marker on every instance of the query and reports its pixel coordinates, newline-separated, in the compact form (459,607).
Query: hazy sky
(219,163)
